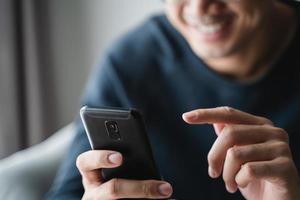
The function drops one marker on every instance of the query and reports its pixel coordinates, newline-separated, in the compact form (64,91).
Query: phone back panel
(132,141)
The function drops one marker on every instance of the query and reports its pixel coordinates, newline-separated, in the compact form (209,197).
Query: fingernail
(115,158)
(212,173)
(165,189)
(190,115)
(231,189)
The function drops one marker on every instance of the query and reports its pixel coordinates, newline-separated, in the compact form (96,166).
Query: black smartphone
(122,131)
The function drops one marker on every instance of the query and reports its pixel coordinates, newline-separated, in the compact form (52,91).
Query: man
(204,55)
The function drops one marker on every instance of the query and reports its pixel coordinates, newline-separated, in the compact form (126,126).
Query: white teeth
(207,25)
(209,29)
(207,20)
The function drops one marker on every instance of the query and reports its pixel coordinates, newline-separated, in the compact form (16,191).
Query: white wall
(79,32)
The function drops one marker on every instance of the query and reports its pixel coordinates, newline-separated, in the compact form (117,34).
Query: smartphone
(122,131)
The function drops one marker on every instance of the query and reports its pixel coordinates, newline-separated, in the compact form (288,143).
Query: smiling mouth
(211,28)
(209,25)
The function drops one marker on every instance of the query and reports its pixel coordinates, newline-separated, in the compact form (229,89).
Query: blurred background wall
(51,46)
(80,31)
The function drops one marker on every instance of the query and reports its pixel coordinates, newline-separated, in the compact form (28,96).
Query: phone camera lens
(113,130)
(113,127)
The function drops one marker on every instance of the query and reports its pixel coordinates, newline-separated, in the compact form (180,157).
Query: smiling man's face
(215,28)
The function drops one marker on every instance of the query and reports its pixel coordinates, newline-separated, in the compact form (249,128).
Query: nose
(204,7)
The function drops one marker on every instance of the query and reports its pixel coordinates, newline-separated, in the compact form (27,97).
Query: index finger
(223,115)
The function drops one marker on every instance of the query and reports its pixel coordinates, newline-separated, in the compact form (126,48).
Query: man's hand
(251,154)
(90,164)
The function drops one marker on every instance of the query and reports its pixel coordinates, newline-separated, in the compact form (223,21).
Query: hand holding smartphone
(122,131)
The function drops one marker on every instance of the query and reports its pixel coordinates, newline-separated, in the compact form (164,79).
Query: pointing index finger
(224,115)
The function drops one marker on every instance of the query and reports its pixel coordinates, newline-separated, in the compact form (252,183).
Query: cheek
(248,21)
(174,14)
(251,14)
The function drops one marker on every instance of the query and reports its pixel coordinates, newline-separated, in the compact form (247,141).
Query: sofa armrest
(28,174)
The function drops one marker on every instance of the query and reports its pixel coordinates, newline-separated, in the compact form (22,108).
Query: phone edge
(82,111)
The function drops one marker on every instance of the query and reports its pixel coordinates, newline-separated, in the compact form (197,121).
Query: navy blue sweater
(152,68)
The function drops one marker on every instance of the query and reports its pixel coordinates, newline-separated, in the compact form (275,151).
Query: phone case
(123,131)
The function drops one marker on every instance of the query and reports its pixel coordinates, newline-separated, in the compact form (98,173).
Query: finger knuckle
(249,170)
(230,133)
(235,153)
(147,189)
(228,109)
(266,121)
(282,148)
(285,161)
(113,188)
(287,165)
(281,134)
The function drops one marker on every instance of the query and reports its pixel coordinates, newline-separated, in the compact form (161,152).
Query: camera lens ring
(112,130)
